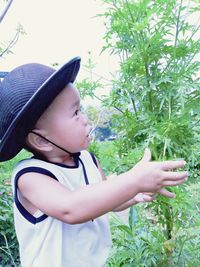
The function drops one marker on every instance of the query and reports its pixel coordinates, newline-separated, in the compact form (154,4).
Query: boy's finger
(149,193)
(147,198)
(147,155)
(173,182)
(175,175)
(141,197)
(170,164)
(164,192)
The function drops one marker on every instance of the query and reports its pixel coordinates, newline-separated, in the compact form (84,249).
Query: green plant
(142,242)
(158,94)
(8,242)
(158,86)
(9,251)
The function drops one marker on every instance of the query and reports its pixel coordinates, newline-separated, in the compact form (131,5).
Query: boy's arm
(92,201)
(125,205)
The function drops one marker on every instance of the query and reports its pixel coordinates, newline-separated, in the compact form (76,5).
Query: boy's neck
(66,160)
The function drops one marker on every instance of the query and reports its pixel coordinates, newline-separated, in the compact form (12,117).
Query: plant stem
(5,10)
(134,107)
(9,252)
(177,27)
(170,107)
(148,85)
(169,223)
(180,252)
(174,54)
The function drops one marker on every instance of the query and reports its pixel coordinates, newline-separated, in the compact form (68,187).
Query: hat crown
(17,88)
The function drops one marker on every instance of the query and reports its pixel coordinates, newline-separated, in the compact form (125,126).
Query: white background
(56,31)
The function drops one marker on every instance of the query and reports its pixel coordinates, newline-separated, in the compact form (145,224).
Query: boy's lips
(90,131)
(89,136)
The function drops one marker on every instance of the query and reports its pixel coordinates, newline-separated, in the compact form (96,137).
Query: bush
(9,254)
(142,241)
(162,233)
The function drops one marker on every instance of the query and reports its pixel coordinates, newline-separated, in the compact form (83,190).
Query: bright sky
(56,31)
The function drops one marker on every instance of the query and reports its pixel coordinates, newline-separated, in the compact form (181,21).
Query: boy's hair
(25,93)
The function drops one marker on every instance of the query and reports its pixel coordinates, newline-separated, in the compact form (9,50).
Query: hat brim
(13,140)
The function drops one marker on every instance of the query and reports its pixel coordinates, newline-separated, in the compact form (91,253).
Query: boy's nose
(85,119)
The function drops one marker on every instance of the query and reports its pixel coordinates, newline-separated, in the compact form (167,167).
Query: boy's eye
(78,111)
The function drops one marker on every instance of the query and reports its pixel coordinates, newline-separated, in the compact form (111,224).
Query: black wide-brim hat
(25,93)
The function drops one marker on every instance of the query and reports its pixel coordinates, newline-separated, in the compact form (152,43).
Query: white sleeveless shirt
(47,242)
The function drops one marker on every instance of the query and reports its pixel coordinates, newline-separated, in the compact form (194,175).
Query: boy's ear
(37,142)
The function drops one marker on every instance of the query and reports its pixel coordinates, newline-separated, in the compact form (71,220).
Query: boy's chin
(86,145)
(89,138)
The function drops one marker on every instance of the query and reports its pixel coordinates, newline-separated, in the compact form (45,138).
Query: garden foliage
(9,251)
(158,94)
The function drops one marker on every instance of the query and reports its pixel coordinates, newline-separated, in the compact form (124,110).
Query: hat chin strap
(74,155)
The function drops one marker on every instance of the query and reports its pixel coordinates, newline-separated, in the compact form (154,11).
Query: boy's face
(64,124)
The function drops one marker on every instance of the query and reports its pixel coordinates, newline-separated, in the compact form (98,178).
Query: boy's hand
(143,197)
(148,197)
(152,176)
(164,192)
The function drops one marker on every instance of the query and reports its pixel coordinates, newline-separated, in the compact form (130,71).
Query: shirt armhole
(28,216)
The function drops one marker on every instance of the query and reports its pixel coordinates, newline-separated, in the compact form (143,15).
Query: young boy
(61,196)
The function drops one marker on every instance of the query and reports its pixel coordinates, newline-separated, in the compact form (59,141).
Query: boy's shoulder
(33,162)
(28,163)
